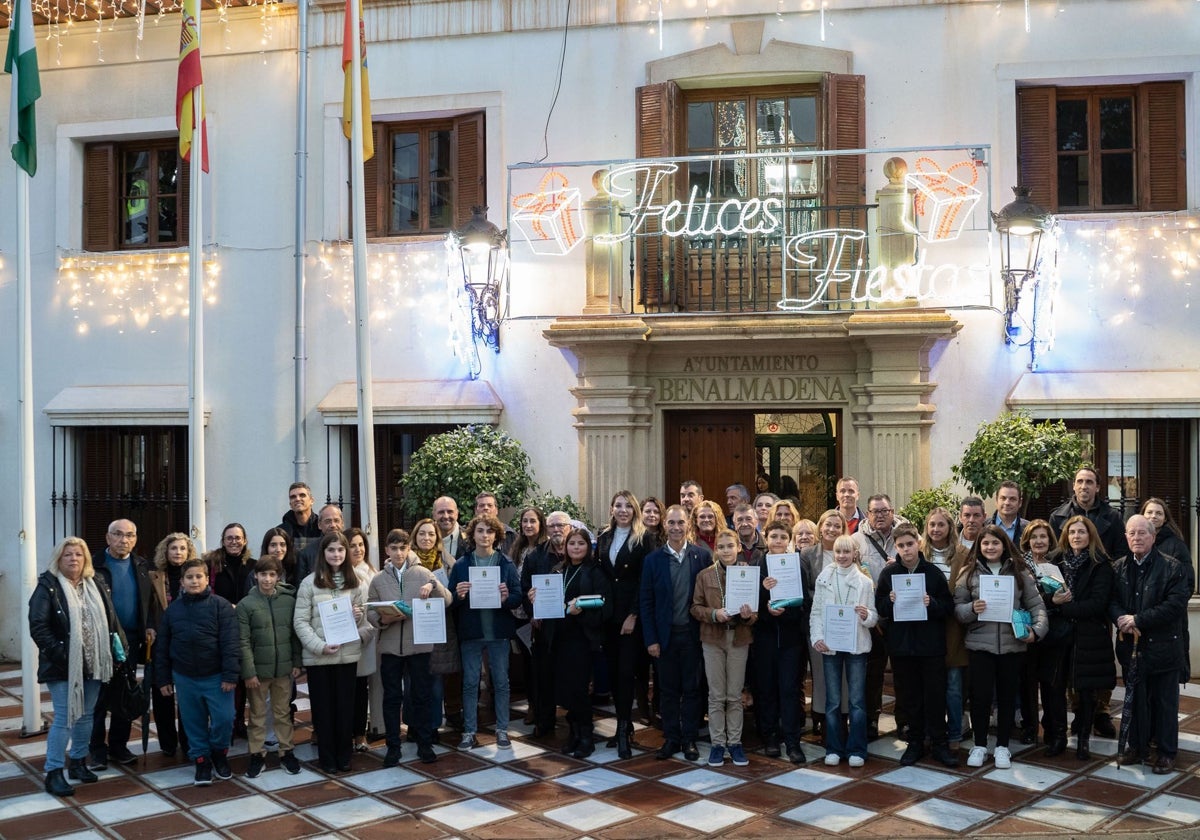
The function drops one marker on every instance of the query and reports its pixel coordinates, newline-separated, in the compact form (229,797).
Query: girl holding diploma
(725,640)
(950,557)
(844,584)
(579,634)
(331,668)
(485,628)
(996,654)
(403,579)
(780,653)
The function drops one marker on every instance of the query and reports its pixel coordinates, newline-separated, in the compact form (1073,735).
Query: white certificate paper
(429,621)
(485,587)
(337,620)
(997,592)
(910,598)
(548,602)
(741,587)
(841,628)
(785,568)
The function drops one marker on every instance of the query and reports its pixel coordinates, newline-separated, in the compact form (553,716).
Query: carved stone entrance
(873,366)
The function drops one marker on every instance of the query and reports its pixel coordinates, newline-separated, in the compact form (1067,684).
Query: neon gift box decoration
(945,200)
(550,219)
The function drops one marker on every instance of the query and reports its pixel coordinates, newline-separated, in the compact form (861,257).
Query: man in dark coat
(1087,501)
(1149,607)
(672,636)
(300,522)
(127,578)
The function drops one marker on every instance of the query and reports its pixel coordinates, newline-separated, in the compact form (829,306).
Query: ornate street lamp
(1021,225)
(482,286)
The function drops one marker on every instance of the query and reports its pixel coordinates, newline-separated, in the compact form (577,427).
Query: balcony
(654,239)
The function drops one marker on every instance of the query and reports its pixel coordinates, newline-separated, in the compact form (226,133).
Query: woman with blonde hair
(72,621)
(786,512)
(943,550)
(620,550)
(706,521)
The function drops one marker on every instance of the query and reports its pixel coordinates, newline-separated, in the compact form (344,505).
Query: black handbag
(125,696)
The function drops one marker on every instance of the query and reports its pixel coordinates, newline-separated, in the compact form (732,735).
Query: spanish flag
(190,84)
(368,138)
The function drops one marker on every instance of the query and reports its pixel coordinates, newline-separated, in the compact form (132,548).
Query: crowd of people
(1007,614)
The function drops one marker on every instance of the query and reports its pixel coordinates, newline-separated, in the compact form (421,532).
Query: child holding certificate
(993,576)
(725,639)
(485,622)
(401,580)
(915,601)
(843,613)
(578,634)
(780,654)
(331,666)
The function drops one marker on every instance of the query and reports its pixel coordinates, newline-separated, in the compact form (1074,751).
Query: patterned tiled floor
(534,792)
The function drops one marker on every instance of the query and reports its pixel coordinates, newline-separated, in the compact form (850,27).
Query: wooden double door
(795,454)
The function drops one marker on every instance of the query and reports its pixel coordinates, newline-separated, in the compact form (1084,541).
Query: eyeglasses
(879,511)
(123,535)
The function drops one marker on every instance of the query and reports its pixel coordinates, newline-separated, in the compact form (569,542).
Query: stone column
(890,412)
(615,410)
(603,260)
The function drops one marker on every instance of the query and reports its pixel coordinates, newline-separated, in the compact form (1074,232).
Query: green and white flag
(21,62)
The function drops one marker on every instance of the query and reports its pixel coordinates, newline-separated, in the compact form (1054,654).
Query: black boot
(56,785)
(585,746)
(78,771)
(1056,744)
(1083,749)
(572,740)
(624,730)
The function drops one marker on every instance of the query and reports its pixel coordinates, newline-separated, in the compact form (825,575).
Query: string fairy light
(400,278)
(129,289)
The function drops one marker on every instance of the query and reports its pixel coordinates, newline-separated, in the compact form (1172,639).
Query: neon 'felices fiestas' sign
(815,261)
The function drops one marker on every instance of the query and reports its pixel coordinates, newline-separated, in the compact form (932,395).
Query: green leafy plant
(1014,447)
(547,503)
(464,462)
(923,501)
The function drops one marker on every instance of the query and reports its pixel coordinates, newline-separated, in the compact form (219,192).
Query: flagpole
(31,698)
(362,308)
(196,507)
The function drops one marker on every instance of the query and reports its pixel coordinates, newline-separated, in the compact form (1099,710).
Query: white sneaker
(977,756)
(857,761)
(832,759)
(1002,757)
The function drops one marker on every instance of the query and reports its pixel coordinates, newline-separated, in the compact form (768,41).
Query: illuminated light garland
(394,274)
(129,289)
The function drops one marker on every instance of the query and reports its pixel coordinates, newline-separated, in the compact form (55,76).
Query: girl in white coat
(846,594)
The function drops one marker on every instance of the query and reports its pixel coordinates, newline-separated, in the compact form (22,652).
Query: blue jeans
(954,703)
(855,667)
(472,665)
(207,713)
(78,734)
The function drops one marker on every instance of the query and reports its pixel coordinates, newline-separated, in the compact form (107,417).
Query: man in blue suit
(672,636)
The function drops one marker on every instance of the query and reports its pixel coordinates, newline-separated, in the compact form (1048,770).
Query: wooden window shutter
(1037,163)
(658,132)
(470,166)
(183,200)
(1164,466)
(100,197)
(1161,130)
(375,173)
(845,103)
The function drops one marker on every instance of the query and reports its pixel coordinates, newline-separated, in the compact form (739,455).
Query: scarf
(87,643)
(1072,565)
(431,559)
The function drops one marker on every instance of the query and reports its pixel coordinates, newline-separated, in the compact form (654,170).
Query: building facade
(746,239)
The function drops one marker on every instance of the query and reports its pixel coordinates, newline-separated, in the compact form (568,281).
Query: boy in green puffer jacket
(270,662)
